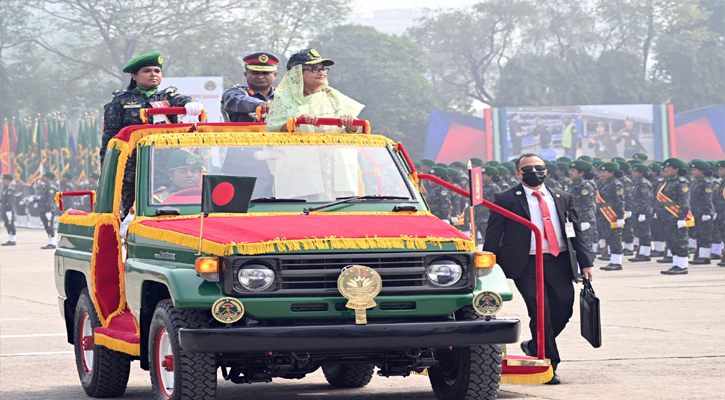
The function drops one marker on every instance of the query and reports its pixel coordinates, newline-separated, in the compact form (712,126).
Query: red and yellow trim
(608,212)
(675,209)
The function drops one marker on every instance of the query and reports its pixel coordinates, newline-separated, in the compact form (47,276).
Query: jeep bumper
(391,336)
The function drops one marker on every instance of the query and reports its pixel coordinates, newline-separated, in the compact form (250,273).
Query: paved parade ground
(663,338)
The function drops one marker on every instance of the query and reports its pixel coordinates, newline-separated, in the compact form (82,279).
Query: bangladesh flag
(229,194)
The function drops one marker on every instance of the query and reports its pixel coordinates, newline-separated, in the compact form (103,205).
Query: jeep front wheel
(348,375)
(176,374)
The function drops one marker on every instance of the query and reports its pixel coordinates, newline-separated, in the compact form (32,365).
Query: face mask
(533,178)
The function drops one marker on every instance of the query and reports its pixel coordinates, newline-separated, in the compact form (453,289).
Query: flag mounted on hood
(229,194)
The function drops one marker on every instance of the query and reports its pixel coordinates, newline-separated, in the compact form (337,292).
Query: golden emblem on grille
(359,285)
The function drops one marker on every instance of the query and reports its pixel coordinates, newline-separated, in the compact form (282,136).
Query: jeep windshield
(307,173)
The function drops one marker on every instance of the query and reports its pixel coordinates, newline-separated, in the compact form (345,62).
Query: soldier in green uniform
(610,215)
(184,173)
(439,198)
(91,185)
(719,202)
(46,207)
(7,208)
(500,179)
(673,207)
(641,157)
(658,235)
(628,229)
(454,177)
(562,175)
(488,192)
(511,176)
(425,185)
(641,211)
(583,194)
(714,180)
(702,208)
(551,181)
(125,107)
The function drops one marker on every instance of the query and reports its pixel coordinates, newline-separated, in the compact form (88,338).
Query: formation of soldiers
(631,208)
(33,206)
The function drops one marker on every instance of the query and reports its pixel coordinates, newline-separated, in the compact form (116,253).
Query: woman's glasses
(530,168)
(317,70)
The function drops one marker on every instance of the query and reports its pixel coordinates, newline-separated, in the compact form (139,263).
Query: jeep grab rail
(365,124)
(76,193)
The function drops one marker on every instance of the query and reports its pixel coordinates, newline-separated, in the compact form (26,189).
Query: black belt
(549,256)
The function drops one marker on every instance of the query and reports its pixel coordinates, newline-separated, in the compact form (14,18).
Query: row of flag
(29,147)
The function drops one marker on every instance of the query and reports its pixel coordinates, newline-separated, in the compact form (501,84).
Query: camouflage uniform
(46,204)
(612,192)
(439,201)
(7,206)
(677,189)
(565,182)
(503,185)
(719,203)
(641,199)
(628,230)
(481,213)
(584,194)
(552,184)
(716,234)
(658,234)
(701,204)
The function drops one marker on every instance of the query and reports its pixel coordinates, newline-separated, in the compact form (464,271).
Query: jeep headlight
(256,277)
(444,272)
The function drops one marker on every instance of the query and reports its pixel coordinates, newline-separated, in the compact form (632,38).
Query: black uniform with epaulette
(583,194)
(46,207)
(610,215)
(7,208)
(439,198)
(641,207)
(703,209)
(719,202)
(673,211)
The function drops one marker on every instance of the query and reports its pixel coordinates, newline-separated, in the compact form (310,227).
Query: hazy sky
(367,6)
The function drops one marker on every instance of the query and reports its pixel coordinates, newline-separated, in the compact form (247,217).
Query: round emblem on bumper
(228,310)
(487,303)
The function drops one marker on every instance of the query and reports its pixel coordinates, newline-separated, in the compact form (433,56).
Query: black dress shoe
(8,243)
(640,258)
(715,256)
(700,261)
(627,252)
(721,264)
(611,267)
(675,271)
(47,247)
(665,260)
(691,250)
(605,258)
(525,347)
(555,380)
(655,253)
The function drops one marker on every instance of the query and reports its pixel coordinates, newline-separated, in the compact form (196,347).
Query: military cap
(453,172)
(68,175)
(147,60)
(439,172)
(608,166)
(307,57)
(488,170)
(508,165)
(619,160)
(656,167)
(713,165)
(476,162)
(261,61)
(416,165)
(720,163)
(551,167)
(458,164)
(182,158)
(94,176)
(581,165)
(493,163)
(699,164)
(563,166)
(441,165)
(597,163)
(623,166)
(640,168)
(632,162)
(597,159)
(49,175)
(428,162)
(588,159)
(502,170)
(640,156)
(674,163)
(7,176)
(564,159)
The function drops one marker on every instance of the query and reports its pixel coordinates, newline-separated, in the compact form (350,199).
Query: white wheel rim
(86,343)
(165,363)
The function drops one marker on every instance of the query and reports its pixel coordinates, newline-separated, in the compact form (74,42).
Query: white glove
(454,219)
(680,223)
(193,108)
(585,226)
(641,218)
(447,221)
(9,214)
(714,216)
(628,214)
(706,218)
(654,215)
(48,215)
(620,223)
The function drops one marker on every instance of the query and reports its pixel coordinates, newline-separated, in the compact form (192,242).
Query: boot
(640,258)
(675,271)
(700,261)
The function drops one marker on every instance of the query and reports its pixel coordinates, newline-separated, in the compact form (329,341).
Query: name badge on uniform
(569,228)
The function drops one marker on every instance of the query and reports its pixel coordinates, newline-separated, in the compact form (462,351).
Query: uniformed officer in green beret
(586,158)
(185,171)
(125,108)
(493,163)
(641,208)
(551,182)
(627,230)
(641,157)
(457,201)
(673,209)
(658,235)
(425,166)
(46,207)
(703,209)
(476,162)
(610,216)
(562,174)
(583,193)
(7,208)
(240,102)
(439,198)
(719,202)
(511,177)
(563,159)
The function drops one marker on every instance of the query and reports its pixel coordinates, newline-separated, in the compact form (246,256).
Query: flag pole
(201,216)
(474,234)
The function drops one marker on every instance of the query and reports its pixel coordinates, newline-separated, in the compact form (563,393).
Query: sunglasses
(530,168)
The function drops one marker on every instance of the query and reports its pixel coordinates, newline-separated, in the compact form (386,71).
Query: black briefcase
(591,322)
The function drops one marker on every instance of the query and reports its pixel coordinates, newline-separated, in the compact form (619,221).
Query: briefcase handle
(588,285)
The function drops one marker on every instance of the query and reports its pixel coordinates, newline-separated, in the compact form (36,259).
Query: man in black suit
(513,244)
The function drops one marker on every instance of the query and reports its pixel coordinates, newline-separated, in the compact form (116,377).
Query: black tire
(348,375)
(103,372)
(468,373)
(193,374)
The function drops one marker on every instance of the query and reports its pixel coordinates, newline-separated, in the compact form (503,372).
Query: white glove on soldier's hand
(706,218)
(628,214)
(680,223)
(454,219)
(654,215)
(714,216)
(641,218)
(620,223)
(585,226)
(48,215)
(193,108)
(9,214)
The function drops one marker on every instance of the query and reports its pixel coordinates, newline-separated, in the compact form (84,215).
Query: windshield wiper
(276,200)
(341,200)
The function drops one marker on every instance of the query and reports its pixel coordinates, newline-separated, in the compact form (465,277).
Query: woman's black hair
(618,173)
(131,84)
(589,175)
(682,171)
(708,173)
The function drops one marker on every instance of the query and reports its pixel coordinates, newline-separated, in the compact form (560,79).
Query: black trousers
(9,224)
(47,224)
(558,300)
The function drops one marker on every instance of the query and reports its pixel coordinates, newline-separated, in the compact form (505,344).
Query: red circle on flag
(223,193)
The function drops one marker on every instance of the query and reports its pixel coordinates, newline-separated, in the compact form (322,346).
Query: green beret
(416,165)
(586,158)
(597,163)
(700,164)
(713,164)
(674,163)
(441,165)
(640,156)
(619,160)
(581,165)
(597,159)
(509,165)
(608,166)
(488,170)
(146,60)
(428,162)
(476,162)
(567,160)
(696,159)
(640,168)
(623,166)
(458,164)
(94,176)
(720,163)
(453,172)
(552,167)
(7,176)
(656,167)
(439,172)
(182,158)
(502,170)
(49,175)
(68,175)
(563,166)
(493,163)
(632,162)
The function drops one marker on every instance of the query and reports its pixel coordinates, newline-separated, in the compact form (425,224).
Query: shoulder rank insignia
(708,190)
(585,192)
(644,190)
(685,189)
(443,193)
(620,191)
